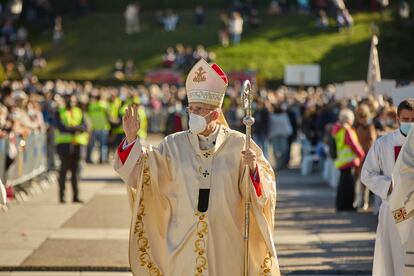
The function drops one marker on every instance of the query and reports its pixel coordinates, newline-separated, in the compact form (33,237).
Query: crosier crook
(248,121)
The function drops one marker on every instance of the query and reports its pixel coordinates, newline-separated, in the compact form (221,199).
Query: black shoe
(62,201)
(78,201)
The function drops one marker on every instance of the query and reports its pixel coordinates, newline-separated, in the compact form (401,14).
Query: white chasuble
(402,201)
(376,175)
(169,236)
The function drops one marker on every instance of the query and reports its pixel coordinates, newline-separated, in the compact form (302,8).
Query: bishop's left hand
(249,158)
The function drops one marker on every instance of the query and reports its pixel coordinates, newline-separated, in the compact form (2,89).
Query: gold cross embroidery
(400,215)
(200,75)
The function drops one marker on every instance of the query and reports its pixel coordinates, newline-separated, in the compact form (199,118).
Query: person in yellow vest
(349,154)
(70,137)
(99,115)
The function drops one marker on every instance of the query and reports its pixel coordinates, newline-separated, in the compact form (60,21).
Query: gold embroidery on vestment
(143,243)
(201,245)
(266,266)
(200,75)
(401,214)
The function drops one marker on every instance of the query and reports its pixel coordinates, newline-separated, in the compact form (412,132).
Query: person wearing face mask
(70,136)
(376,174)
(187,193)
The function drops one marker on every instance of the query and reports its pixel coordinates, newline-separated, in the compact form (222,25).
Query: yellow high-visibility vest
(344,153)
(98,113)
(71,118)
(114,108)
(114,112)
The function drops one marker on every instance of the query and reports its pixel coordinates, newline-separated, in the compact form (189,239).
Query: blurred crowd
(123,69)
(17,55)
(282,115)
(328,129)
(242,14)
(311,117)
(183,57)
(29,105)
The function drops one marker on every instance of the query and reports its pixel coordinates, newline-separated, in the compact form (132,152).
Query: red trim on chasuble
(123,154)
(255,177)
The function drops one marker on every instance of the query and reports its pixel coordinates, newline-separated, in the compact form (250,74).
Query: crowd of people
(78,117)
(361,136)
(239,15)
(123,69)
(92,114)
(317,120)
(183,57)
(17,55)
(311,116)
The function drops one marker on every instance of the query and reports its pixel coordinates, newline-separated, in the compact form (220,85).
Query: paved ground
(310,237)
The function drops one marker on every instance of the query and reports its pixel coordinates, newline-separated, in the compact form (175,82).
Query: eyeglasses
(198,110)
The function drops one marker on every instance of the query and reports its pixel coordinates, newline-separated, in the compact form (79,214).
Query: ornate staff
(248,121)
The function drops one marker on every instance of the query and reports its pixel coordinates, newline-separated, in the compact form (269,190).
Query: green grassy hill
(93,43)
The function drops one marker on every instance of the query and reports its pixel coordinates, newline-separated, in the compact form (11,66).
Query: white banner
(340,91)
(355,89)
(302,74)
(402,93)
(384,87)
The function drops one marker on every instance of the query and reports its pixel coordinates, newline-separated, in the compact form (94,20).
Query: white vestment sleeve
(129,170)
(402,197)
(263,207)
(406,170)
(372,175)
(126,145)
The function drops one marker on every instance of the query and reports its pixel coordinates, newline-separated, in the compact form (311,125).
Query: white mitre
(206,84)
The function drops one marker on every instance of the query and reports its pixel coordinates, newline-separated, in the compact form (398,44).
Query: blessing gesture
(130,122)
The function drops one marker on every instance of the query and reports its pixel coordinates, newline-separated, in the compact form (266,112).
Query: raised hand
(130,122)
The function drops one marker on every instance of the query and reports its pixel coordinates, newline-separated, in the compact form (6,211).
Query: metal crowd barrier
(3,153)
(31,159)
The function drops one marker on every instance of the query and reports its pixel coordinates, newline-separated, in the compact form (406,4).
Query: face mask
(178,108)
(197,123)
(405,128)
